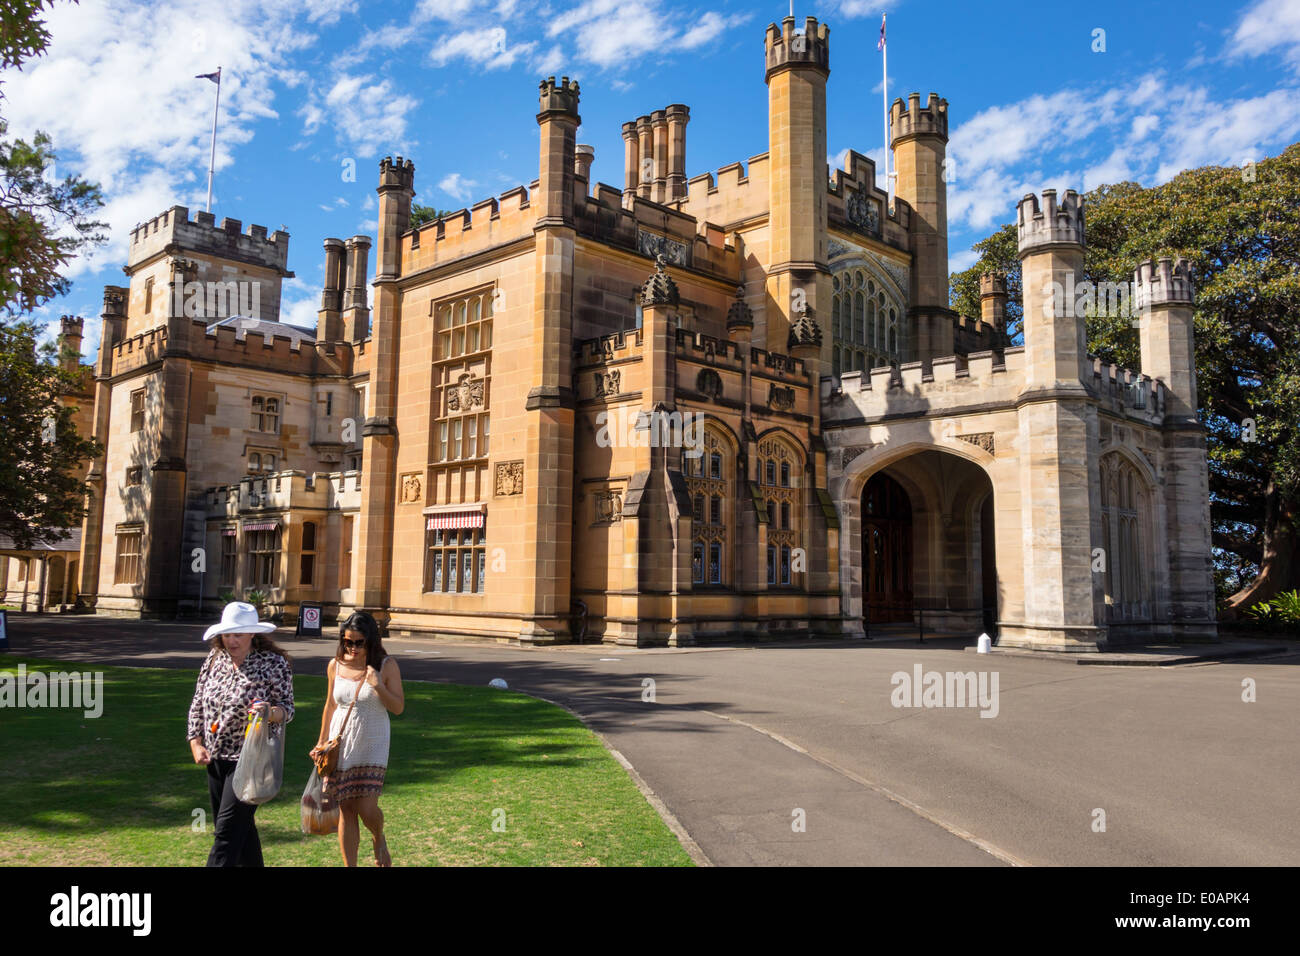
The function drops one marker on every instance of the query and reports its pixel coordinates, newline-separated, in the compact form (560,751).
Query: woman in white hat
(246,673)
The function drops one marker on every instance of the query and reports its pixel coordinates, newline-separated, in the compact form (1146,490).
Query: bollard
(985,643)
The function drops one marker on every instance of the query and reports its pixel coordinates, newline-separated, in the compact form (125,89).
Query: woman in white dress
(360,666)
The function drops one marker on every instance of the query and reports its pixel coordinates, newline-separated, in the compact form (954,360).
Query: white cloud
(488,48)
(457,186)
(613,33)
(369,115)
(862,8)
(1147,132)
(116,92)
(960,261)
(1267,27)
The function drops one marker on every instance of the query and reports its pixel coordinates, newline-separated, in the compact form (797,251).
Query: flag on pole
(881,44)
(214,77)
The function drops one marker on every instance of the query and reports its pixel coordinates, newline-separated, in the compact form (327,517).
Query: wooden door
(886,551)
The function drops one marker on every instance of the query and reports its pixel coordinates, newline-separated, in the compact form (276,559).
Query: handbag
(326,758)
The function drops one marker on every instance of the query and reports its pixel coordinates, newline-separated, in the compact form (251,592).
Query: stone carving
(836,248)
(676,253)
(740,315)
(710,383)
(509,478)
(804,330)
(780,397)
(609,505)
(862,212)
(980,440)
(607,383)
(851,452)
(660,289)
(465,395)
(410,488)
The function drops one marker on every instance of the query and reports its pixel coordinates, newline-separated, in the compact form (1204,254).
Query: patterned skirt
(353,783)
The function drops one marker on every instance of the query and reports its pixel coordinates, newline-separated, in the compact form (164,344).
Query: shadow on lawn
(62,773)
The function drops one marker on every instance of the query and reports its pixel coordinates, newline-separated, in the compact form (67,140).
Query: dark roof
(266,327)
(72,543)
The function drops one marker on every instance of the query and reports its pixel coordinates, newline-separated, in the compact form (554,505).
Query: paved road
(739,739)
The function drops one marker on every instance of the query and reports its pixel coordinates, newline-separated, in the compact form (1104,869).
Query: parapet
(559,97)
(202,236)
(396,174)
(787,49)
(916,120)
(993,283)
(1049,225)
(1162,282)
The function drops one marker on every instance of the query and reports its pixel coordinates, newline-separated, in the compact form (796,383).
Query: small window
(137,410)
(254,462)
(771,513)
(715,510)
(785,514)
(698,508)
(307,561)
(345,564)
(127,567)
(785,565)
(715,465)
(785,474)
(771,564)
(229,555)
(697,562)
(771,472)
(715,563)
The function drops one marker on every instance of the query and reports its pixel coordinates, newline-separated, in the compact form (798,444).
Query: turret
(558,119)
(797,67)
(919,138)
(396,190)
(1051,253)
(1163,291)
(356,308)
(329,323)
(993,300)
(70,342)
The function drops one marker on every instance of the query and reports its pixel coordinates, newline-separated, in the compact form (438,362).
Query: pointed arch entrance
(886,550)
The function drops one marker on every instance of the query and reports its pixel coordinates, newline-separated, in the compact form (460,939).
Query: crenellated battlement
(607,349)
(787,49)
(993,283)
(855,202)
(202,235)
(913,120)
(283,490)
(1127,392)
(242,344)
(487,223)
(559,97)
(1164,281)
(739,191)
(396,174)
(709,350)
(1045,225)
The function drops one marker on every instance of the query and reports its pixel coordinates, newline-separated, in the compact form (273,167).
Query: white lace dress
(363,751)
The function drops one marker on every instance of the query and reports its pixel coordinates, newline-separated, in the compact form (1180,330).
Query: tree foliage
(41,491)
(425,214)
(1240,232)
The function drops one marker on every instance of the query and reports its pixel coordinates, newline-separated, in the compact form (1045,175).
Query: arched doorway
(886,551)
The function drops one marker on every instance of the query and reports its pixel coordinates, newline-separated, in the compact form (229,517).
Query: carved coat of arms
(467,393)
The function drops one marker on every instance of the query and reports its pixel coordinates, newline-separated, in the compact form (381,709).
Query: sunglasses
(354,645)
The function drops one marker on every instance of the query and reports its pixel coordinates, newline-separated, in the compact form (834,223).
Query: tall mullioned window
(780,472)
(866,327)
(456,554)
(1124,511)
(461,395)
(709,478)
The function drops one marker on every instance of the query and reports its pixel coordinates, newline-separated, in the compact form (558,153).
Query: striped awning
(456,519)
(229,532)
(262,526)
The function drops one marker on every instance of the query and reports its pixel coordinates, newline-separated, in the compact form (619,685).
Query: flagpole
(212,159)
(884,93)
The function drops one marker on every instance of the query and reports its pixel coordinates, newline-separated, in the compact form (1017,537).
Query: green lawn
(121,789)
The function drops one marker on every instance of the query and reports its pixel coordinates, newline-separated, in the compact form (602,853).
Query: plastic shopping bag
(320,814)
(260,769)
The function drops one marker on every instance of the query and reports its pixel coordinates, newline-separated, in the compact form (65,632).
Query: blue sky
(314,85)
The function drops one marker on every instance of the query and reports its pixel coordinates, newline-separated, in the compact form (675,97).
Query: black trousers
(236,843)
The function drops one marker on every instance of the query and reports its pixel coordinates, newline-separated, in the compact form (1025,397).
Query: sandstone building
(675,411)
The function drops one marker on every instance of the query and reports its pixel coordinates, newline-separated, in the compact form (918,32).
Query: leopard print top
(219,711)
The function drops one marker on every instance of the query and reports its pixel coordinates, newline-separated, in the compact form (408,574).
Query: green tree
(1240,232)
(41,491)
(44,222)
(423,214)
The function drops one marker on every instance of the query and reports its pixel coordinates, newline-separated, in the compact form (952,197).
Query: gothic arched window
(713,497)
(864,317)
(1124,508)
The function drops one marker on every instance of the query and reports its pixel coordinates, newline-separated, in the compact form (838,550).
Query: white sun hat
(239,618)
